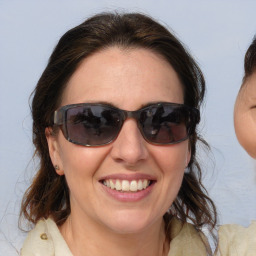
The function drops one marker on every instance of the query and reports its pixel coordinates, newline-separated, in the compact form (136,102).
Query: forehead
(121,75)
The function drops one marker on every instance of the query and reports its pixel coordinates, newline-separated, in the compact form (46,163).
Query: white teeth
(118,185)
(145,184)
(133,186)
(125,185)
(112,185)
(139,186)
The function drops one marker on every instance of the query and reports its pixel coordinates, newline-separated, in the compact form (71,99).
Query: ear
(53,147)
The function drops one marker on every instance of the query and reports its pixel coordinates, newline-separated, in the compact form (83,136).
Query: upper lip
(129,177)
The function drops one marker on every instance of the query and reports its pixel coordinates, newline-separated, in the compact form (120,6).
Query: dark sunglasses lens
(92,125)
(164,124)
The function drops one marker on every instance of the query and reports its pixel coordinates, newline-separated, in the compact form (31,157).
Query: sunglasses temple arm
(58,117)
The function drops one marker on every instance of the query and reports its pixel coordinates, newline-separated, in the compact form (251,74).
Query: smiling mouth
(126,185)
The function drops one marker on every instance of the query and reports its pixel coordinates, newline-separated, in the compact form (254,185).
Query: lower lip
(129,196)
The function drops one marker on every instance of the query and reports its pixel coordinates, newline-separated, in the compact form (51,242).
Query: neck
(86,239)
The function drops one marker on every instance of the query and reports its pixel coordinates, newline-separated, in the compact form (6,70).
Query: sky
(217,33)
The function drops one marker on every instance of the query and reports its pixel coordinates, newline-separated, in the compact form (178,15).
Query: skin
(245,115)
(127,79)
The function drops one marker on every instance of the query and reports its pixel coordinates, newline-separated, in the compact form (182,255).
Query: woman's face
(245,115)
(127,79)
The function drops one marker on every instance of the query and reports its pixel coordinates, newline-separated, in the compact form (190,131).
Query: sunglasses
(95,124)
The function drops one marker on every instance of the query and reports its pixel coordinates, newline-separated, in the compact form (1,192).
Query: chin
(130,222)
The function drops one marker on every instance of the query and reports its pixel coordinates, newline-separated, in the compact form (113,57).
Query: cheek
(172,158)
(245,117)
(172,161)
(81,163)
(245,128)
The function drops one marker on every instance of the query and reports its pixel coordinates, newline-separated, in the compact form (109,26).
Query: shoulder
(237,240)
(45,240)
(38,240)
(186,240)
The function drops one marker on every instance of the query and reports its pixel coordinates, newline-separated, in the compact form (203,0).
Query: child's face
(245,115)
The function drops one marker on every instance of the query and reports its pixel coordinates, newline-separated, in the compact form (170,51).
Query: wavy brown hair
(48,194)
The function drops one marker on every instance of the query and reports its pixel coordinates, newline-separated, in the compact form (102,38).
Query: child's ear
(53,147)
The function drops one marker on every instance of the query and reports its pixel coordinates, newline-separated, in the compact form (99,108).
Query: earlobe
(53,148)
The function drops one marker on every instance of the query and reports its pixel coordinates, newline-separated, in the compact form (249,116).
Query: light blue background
(216,32)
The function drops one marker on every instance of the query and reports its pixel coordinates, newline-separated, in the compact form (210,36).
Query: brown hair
(49,195)
(250,60)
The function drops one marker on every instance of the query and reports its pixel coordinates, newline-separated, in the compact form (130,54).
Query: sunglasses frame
(60,118)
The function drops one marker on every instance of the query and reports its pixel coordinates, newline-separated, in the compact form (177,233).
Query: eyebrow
(115,106)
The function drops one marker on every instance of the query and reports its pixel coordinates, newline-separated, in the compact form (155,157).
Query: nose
(129,147)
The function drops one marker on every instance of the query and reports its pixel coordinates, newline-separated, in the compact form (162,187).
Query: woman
(235,240)
(114,125)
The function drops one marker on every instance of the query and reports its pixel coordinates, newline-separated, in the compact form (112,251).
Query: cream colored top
(235,240)
(46,240)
